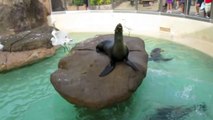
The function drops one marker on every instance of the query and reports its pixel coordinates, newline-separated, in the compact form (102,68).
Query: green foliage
(107,1)
(78,2)
(100,2)
(70,2)
(93,2)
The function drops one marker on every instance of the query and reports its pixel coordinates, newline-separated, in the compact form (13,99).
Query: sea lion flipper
(167,59)
(107,69)
(131,64)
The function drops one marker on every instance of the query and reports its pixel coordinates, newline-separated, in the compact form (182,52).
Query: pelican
(60,38)
(1,46)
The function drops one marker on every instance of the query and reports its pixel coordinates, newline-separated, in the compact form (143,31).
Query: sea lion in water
(155,55)
(176,113)
(116,51)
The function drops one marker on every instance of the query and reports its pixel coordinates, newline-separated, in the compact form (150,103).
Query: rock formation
(24,34)
(28,40)
(77,78)
(57,5)
(26,48)
(22,16)
(12,60)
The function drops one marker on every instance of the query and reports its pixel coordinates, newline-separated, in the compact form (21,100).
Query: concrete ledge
(192,33)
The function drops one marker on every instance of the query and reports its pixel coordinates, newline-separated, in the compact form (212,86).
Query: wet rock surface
(12,60)
(28,40)
(77,78)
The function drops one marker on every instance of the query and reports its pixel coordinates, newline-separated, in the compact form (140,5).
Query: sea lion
(176,113)
(155,55)
(116,50)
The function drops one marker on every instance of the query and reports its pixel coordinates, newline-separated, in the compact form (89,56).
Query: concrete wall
(192,33)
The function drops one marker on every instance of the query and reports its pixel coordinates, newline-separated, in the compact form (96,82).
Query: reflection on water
(176,112)
(119,112)
(27,94)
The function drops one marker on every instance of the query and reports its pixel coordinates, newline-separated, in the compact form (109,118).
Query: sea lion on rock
(155,55)
(116,50)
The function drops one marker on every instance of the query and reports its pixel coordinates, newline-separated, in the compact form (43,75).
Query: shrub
(100,2)
(78,2)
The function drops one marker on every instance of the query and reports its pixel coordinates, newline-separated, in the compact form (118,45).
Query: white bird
(126,26)
(1,46)
(60,38)
(53,21)
(124,23)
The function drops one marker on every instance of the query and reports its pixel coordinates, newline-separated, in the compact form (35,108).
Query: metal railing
(141,6)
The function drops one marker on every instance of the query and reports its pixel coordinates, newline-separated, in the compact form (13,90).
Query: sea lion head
(118,36)
(157,50)
(201,107)
(156,53)
(119,28)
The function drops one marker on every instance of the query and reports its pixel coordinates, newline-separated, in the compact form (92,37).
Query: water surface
(27,94)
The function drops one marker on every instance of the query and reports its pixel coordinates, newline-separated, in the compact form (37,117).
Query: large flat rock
(77,78)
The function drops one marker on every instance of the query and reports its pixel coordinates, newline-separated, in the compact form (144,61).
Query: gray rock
(28,40)
(77,78)
(57,5)
(22,16)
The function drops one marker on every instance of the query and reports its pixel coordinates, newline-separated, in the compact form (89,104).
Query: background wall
(189,32)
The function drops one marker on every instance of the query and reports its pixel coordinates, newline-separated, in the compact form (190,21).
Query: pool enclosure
(185,8)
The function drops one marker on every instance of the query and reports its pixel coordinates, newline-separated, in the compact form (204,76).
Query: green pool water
(27,94)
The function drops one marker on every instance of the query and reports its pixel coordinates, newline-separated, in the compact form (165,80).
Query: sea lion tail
(131,64)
